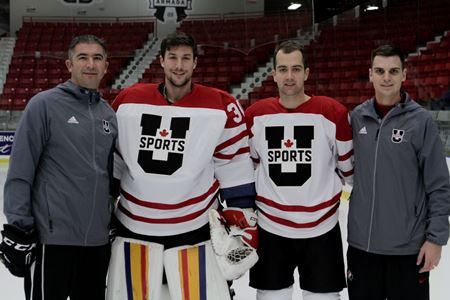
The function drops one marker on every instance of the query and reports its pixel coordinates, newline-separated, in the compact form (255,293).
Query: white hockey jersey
(175,157)
(300,153)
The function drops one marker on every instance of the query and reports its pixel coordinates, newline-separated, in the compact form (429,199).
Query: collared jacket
(401,193)
(59,175)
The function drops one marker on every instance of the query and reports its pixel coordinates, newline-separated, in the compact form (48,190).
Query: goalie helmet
(234,247)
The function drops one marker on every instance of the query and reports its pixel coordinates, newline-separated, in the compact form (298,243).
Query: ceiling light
(294,6)
(371,7)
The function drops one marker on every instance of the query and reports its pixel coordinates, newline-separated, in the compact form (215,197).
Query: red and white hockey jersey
(175,157)
(300,152)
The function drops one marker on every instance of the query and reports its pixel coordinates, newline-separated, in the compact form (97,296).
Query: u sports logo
(106,127)
(397,135)
(296,154)
(168,143)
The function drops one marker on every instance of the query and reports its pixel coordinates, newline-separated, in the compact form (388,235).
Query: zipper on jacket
(50,226)
(50,222)
(94,165)
(377,135)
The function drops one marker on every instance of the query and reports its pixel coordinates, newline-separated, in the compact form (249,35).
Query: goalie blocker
(234,238)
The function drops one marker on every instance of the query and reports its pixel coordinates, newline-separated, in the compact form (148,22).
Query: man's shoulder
(422,114)
(208,97)
(330,102)
(362,108)
(327,107)
(49,92)
(51,95)
(137,93)
(212,92)
(262,105)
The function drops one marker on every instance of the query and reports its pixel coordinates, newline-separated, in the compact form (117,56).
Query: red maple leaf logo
(288,143)
(164,133)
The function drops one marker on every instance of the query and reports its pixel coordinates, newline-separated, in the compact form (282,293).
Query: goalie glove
(234,240)
(245,220)
(17,249)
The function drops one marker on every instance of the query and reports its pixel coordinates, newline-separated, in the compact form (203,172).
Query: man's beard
(179,85)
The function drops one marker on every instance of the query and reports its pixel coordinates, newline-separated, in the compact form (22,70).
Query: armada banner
(180,7)
(187,4)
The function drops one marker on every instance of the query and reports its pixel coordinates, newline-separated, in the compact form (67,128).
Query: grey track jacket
(59,174)
(401,193)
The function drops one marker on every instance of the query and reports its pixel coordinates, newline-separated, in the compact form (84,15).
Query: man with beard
(180,145)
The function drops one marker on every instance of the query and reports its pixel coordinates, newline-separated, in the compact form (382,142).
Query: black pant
(168,241)
(319,259)
(378,277)
(68,271)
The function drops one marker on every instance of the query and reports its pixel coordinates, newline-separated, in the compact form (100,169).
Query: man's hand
(431,255)
(17,249)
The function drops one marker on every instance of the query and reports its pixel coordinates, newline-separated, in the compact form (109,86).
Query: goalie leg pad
(165,292)
(192,273)
(135,270)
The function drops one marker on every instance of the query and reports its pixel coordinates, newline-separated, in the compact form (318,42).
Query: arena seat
(41,48)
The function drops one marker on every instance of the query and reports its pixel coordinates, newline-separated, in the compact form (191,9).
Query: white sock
(307,295)
(283,294)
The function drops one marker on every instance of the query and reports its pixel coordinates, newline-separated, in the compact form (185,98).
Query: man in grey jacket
(400,203)
(56,196)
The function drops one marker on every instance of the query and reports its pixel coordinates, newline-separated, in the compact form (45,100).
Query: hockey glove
(234,240)
(17,249)
(244,219)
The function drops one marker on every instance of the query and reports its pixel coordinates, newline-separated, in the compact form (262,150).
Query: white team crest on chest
(289,154)
(106,127)
(162,143)
(397,135)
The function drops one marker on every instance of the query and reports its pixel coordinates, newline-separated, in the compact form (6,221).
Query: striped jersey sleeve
(231,155)
(344,146)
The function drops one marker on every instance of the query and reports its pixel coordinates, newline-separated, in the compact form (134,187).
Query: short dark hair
(386,51)
(287,47)
(85,39)
(178,39)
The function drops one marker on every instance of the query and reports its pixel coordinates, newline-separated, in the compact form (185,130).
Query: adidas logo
(363,130)
(72,120)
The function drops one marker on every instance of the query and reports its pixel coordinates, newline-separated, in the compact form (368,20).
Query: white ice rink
(11,288)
